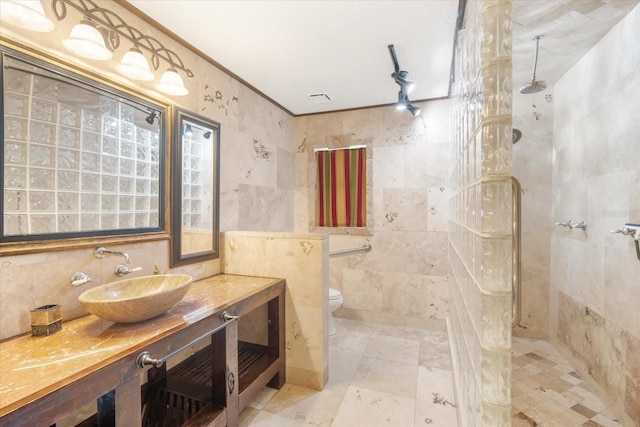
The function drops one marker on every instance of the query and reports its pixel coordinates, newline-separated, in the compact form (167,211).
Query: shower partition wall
(480,227)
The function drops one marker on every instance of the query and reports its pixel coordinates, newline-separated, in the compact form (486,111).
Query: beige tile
(565,419)
(364,407)
(387,376)
(349,327)
(632,380)
(355,343)
(262,398)
(395,349)
(247,415)
(432,381)
(342,366)
(442,414)
(306,405)
(266,419)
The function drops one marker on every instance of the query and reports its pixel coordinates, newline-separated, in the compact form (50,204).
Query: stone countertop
(31,367)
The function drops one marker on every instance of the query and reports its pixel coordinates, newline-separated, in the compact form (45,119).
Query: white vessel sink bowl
(136,299)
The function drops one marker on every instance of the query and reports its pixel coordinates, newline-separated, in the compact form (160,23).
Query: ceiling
(289,50)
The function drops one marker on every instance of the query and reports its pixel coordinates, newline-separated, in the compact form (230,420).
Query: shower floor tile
(547,392)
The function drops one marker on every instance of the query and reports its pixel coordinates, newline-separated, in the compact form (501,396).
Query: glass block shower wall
(480,251)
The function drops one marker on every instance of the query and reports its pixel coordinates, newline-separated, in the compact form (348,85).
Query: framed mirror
(196,188)
(80,158)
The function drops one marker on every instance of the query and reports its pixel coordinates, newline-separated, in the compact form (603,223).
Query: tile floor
(379,376)
(547,392)
(401,377)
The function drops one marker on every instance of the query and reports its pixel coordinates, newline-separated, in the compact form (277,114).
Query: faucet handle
(122,269)
(80,278)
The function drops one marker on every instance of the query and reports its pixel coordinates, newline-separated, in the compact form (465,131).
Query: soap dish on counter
(46,320)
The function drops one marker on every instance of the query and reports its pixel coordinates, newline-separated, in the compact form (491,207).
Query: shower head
(534,85)
(516,134)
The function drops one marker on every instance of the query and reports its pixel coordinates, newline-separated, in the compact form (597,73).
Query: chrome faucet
(102,251)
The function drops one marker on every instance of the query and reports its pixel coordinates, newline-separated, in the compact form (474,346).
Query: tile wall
(403,279)
(532,165)
(256,176)
(595,283)
(480,202)
(302,260)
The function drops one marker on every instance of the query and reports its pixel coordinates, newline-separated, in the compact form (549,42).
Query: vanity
(43,379)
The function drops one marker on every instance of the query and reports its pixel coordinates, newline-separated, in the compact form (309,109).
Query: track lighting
(151,117)
(406,86)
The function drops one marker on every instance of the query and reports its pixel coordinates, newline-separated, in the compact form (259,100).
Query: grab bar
(516,214)
(365,248)
(144,359)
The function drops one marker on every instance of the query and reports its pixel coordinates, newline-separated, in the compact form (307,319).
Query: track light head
(401,79)
(414,110)
(151,117)
(207,134)
(188,130)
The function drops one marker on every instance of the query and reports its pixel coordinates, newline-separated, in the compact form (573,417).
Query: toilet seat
(334,294)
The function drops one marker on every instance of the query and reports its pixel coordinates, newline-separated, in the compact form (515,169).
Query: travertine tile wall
(480,246)
(532,165)
(403,279)
(302,260)
(256,176)
(595,283)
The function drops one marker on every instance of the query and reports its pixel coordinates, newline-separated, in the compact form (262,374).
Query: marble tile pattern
(255,175)
(379,375)
(480,202)
(302,260)
(547,391)
(29,365)
(403,279)
(594,274)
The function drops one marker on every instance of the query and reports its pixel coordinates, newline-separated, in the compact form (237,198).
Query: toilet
(335,301)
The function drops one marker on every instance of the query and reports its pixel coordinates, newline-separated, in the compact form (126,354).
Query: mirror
(196,188)
(79,158)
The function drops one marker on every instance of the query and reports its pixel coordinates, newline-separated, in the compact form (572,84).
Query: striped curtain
(341,199)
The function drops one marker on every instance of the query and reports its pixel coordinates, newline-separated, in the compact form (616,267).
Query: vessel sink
(136,299)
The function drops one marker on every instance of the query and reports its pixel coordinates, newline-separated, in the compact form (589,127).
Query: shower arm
(535,61)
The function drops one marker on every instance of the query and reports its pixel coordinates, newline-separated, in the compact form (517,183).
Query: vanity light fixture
(100,33)
(135,66)
(188,130)
(27,14)
(171,83)
(400,77)
(207,134)
(86,40)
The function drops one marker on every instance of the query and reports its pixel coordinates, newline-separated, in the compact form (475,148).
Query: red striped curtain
(341,199)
